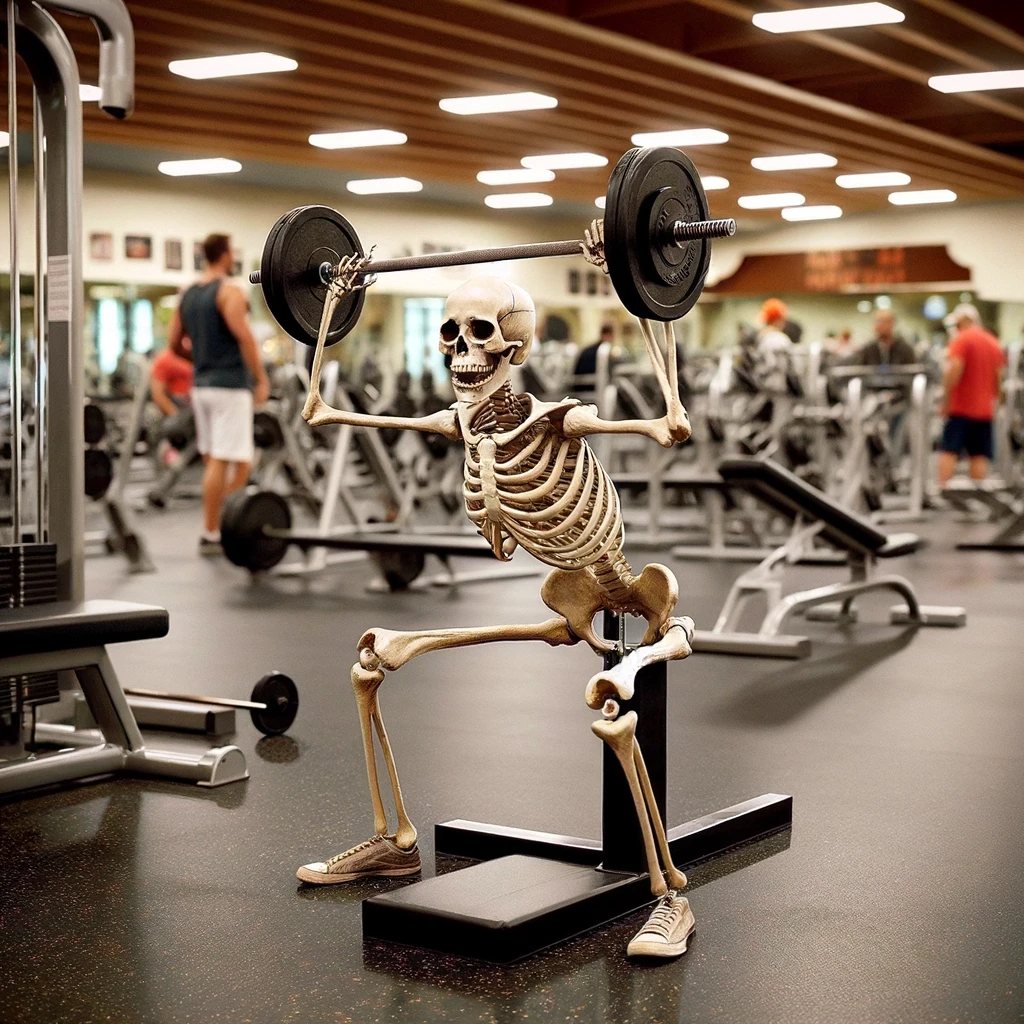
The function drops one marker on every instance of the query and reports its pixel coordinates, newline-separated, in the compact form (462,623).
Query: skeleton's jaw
(478,375)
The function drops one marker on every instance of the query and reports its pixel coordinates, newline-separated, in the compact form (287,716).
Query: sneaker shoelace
(355,849)
(663,917)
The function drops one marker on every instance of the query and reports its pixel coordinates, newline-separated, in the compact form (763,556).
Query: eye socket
(449,330)
(481,329)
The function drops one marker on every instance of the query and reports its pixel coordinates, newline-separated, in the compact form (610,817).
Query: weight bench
(68,635)
(814,515)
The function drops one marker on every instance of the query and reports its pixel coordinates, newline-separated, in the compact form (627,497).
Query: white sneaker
(667,930)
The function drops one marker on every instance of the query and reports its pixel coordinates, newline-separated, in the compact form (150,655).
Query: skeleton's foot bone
(617,682)
(667,931)
(378,857)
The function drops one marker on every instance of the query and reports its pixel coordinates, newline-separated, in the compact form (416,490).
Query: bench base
(707,641)
(950,616)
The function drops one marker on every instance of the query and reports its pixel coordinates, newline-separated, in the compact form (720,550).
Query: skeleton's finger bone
(620,735)
(676,879)
(617,682)
(393,648)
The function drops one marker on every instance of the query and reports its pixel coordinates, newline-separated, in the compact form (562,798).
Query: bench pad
(65,625)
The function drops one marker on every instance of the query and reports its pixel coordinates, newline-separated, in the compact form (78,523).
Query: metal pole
(39,315)
(12,170)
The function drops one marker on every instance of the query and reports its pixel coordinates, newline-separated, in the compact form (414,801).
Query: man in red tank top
(974,364)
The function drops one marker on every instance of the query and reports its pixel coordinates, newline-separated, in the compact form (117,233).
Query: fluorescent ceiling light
(563,161)
(713,182)
(5,140)
(232,64)
(812,212)
(499,104)
(600,201)
(211,165)
(359,139)
(812,19)
(683,137)
(928,195)
(515,176)
(772,201)
(378,186)
(518,200)
(876,179)
(89,93)
(793,162)
(978,81)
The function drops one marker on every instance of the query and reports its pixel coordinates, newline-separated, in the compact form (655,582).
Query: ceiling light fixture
(683,137)
(600,202)
(501,103)
(713,182)
(978,81)
(771,201)
(812,212)
(793,162)
(923,197)
(380,186)
(875,179)
(208,165)
(5,140)
(358,139)
(517,200)
(564,161)
(813,19)
(232,64)
(89,93)
(515,176)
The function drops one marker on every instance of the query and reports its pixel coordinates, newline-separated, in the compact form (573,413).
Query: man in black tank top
(229,378)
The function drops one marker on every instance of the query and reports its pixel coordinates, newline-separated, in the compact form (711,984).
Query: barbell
(657,246)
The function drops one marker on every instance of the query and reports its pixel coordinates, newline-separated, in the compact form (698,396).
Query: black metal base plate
(535,889)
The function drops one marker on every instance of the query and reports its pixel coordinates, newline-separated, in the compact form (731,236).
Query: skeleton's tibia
(366,683)
(390,649)
(620,735)
(617,682)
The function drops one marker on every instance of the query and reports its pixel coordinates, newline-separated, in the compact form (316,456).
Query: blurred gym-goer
(229,378)
(772,337)
(974,364)
(888,347)
(170,380)
(586,361)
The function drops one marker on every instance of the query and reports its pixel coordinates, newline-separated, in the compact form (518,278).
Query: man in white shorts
(229,378)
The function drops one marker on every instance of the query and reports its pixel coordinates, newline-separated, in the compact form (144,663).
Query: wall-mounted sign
(843,270)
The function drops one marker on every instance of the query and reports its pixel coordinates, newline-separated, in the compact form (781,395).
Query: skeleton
(532,481)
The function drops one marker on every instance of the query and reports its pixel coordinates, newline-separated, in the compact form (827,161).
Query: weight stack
(28,576)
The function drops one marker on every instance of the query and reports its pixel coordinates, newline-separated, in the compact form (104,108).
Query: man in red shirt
(974,364)
(170,382)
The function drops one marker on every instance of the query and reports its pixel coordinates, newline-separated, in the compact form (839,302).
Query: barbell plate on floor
(648,191)
(245,515)
(298,245)
(266,431)
(281,697)
(400,568)
(95,423)
(99,472)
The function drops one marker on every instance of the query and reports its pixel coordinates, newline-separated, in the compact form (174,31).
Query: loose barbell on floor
(657,245)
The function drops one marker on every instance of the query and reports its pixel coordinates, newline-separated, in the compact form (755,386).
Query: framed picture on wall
(101,245)
(138,247)
(198,257)
(574,282)
(236,267)
(172,254)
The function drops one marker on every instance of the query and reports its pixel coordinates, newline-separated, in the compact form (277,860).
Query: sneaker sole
(661,950)
(323,878)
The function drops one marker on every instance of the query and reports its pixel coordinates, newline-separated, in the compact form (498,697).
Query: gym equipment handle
(679,233)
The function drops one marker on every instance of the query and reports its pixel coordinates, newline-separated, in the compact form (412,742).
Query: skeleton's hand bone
(593,245)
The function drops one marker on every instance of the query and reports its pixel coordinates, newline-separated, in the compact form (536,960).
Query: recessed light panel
(209,165)
(499,104)
(89,93)
(682,137)
(232,64)
(564,161)
(358,139)
(816,19)
(923,197)
(772,201)
(713,182)
(812,212)
(515,176)
(875,179)
(978,81)
(793,162)
(600,202)
(518,200)
(380,186)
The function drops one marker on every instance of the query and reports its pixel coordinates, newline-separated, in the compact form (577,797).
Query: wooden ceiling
(616,67)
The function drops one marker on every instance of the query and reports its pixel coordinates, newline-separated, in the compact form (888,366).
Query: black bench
(815,515)
(66,625)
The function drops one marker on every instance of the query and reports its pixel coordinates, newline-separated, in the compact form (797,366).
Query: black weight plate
(297,245)
(281,696)
(400,568)
(95,424)
(266,431)
(242,519)
(650,189)
(99,472)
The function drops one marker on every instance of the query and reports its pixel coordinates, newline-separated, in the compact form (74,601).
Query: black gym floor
(897,897)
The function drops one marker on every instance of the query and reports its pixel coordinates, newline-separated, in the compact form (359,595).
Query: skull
(488,326)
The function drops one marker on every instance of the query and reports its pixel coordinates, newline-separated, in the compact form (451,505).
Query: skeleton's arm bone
(584,420)
(317,412)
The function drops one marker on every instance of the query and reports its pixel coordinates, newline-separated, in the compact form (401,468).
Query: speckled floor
(897,897)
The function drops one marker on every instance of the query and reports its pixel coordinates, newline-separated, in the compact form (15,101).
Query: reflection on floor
(897,896)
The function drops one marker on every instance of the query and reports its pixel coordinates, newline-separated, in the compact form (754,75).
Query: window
(422,319)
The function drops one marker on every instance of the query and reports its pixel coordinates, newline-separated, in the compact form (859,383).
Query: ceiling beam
(978,22)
